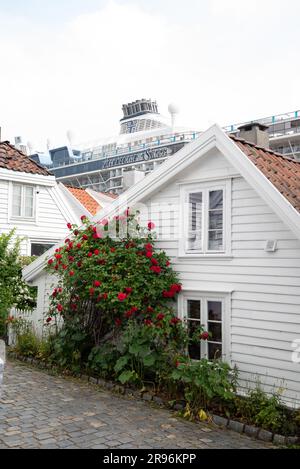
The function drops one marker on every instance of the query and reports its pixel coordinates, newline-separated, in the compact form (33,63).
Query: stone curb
(145,395)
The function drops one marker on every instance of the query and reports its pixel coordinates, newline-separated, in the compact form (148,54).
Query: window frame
(205,298)
(205,188)
(22,216)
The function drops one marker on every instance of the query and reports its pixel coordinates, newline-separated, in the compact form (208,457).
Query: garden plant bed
(160,400)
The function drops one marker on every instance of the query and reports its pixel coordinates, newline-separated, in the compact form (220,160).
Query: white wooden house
(228,214)
(31,202)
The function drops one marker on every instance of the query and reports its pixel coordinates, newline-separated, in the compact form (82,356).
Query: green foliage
(102,359)
(266,411)
(204,382)
(106,280)
(13,290)
(27,344)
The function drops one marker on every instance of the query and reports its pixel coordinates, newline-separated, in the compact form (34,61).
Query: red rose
(134,309)
(151,226)
(76,232)
(175,321)
(85,237)
(128,290)
(54,294)
(58,256)
(160,317)
(102,262)
(148,322)
(59,308)
(69,226)
(96,236)
(71,258)
(48,320)
(73,306)
(204,336)
(168,263)
(156,269)
(118,322)
(67,240)
(150,309)
(97,283)
(148,247)
(112,249)
(154,261)
(79,264)
(56,267)
(122,296)
(92,291)
(83,218)
(149,254)
(64,266)
(50,261)
(60,290)
(71,273)
(127,212)
(90,254)
(176,287)
(104,296)
(96,252)
(78,245)
(128,314)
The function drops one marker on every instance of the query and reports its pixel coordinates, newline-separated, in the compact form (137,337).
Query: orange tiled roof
(85,199)
(282,172)
(15,160)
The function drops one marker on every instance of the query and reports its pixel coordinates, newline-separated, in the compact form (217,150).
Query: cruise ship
(283,130)
(113,164)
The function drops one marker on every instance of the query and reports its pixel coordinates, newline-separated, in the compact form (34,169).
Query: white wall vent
(271,246)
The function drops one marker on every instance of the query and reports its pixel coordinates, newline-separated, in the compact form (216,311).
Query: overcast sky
(70,64)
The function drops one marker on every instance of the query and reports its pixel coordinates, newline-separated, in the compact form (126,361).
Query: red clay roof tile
(85,199)
(282,172)
(13,159)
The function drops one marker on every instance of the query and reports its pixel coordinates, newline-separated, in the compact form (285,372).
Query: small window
(37,249)
(207,313)
(22,201)
(206,219)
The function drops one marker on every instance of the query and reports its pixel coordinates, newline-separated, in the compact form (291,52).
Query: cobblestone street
(38,410)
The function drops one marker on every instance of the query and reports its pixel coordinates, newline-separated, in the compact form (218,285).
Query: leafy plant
(27,344)
(204,381)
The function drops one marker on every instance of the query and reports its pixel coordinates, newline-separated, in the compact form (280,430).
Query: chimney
(256,133)
(132,177)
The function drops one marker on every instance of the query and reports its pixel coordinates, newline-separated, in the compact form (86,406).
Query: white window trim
(21,218)
(205,296)
(187,189)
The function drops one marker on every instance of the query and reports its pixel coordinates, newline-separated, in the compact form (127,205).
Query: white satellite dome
(173,108)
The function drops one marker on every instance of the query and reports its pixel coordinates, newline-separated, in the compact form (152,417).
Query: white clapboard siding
(265,287)
(50,223)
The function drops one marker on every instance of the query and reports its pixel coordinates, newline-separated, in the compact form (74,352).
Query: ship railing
(95,154)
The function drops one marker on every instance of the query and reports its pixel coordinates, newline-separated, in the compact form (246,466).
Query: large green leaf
(121,363)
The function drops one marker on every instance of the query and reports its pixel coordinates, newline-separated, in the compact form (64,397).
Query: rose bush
(111,273)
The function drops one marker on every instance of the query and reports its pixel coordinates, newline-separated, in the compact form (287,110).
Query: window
(37,249)
(206,312)
(22,201)
(206,215)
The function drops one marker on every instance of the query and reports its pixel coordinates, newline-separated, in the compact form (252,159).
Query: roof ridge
(259,147)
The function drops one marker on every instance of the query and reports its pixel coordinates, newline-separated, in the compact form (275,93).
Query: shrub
(105,281)
(27,344)
(204,382)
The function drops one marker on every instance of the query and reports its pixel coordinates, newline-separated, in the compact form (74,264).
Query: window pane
(214,310)
(39,249)
(215,240)
(195,221)
(194,308)
(214,351)
(17,198)
(216,220)
(216,200)
(216,331)
(28,201)
(195,348)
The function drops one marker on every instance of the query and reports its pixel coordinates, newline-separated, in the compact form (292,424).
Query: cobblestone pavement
(38,410)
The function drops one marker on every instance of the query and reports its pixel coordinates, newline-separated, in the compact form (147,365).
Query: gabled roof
(92,201)
(273,177)
(85,199)
(13,159)
(282,172)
